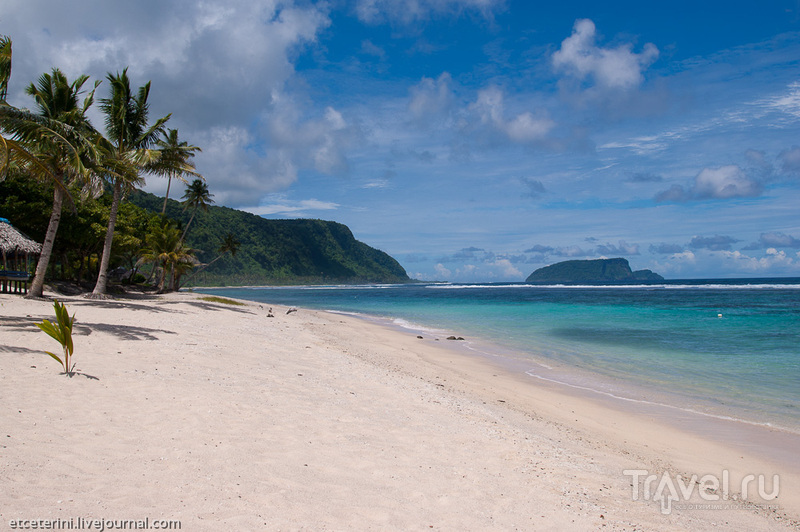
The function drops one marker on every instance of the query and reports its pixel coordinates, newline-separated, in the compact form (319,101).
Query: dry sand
(222,418)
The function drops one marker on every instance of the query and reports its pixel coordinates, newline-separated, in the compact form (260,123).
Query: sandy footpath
(222,418)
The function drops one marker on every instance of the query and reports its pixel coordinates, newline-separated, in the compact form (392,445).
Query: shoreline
(582,381)
(737,398)
(214,414)
(623,395)
(779,444)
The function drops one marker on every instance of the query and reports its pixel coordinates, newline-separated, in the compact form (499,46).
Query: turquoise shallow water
(724,348)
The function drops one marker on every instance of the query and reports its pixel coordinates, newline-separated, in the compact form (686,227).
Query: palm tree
(185,261)
(196,195)
(161,242)
(229,245)
(129,140)
(58,100)
(174,161)
(165,248)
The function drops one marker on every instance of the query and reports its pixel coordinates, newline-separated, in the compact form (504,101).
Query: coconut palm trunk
(191,219)
(37,285)
(100,287)
(198,270)
(166,196)
(163,277)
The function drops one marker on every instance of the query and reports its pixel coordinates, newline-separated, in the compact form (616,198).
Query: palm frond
(5,65)
(174,158)
(46,135)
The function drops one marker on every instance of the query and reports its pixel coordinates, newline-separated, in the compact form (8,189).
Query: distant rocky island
(614,271)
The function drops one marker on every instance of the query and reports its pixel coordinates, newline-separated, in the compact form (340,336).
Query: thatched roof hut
(14,244)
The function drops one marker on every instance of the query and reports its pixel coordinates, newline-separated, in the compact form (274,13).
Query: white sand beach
(222,418)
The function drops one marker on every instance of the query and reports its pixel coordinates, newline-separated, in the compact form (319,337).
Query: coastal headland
(217,416)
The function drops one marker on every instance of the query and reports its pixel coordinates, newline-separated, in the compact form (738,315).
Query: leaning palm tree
(129,143)
(174,161)
(196,195)
(229,245)
(58,100)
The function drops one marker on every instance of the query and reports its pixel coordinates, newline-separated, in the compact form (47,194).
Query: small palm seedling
(62,333)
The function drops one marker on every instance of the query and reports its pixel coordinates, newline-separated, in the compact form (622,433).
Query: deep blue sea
(722,348)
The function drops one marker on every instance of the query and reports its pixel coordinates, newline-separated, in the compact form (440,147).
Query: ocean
(727,349)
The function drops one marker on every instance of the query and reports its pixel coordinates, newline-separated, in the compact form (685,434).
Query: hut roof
(12,241)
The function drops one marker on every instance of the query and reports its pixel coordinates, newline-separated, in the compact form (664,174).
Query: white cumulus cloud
(442,272)
(612,68)
(490,117)
(506,269)
(431,99)
(725,182)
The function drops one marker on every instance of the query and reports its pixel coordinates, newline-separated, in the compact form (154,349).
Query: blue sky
(473,140)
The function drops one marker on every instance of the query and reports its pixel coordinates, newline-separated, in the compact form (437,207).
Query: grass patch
(224,300)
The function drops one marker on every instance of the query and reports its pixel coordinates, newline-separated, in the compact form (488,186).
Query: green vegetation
(163,246)
(591,272)
(76,250)
(271,252)
(62,333)
(223,300)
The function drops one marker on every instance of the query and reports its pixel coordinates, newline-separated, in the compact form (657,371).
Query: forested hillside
(278,251)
